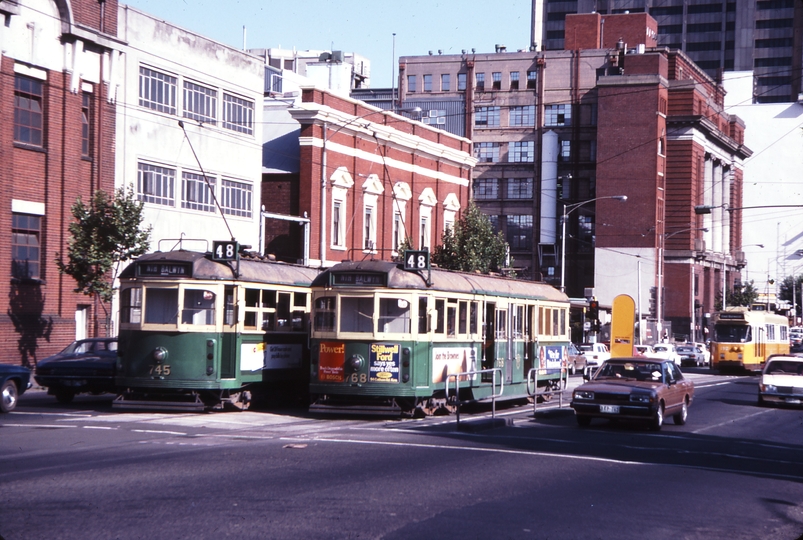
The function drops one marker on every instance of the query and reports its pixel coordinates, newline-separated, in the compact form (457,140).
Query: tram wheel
(239,400)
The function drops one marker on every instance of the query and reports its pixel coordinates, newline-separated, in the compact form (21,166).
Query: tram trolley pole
(532,379)
(467,374)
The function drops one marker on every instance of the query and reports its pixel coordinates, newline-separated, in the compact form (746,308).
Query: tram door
(529,348)
(511,333)
(489,346)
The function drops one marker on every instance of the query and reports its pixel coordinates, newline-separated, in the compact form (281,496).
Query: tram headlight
(355,362)
(160,354)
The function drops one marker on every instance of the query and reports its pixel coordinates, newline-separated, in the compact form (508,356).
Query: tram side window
(556,322)
(231,313)
(356,314)
(784,334)
(563,322)
(161,306)
(770,332)
(283,314)
(199,307)
(440,307)
(299,311)
(451,318)
(546,321)
(131,305)
(473,318)
(501,324)
(394,315)
(251,308)
(325,314)
(423,315)
(518,322)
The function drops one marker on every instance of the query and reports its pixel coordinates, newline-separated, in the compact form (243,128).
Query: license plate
(612,409)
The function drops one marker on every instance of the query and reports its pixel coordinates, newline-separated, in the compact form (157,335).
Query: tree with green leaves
(744,295)
(104,234)
(790,285)
(472,245)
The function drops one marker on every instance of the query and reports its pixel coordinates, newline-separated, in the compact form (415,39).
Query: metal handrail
(532,377)
(456,377)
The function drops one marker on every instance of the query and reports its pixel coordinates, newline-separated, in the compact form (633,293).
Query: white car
(644,350)
(781,380)
(595,353)
(706,353)
(666,351)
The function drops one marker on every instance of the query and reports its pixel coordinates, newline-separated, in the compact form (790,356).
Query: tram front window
(732,333)
(356,314)
(325,314)
(394,315)
(161,306)
(199,307)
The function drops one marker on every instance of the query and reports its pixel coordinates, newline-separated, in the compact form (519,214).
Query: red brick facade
(38,317)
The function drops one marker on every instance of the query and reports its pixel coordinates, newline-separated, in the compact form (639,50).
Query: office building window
(522,152)
(486,152)
(480,81)
(424,233)
(196,194)
(565,150)
(445,82)
(519,188)
(398,231)
(520,232)
(461,82)
(522,115)
(338,234)
(155,184)
(86,123)
(514,80)
(157,90)
(558,115)
(486,116)
(28,110)
(238,114)
(531,78)
(486,188)
(427,83)
(200,103)
(26,232)
(369,228)
(497,80)
(411,83)
(235,198)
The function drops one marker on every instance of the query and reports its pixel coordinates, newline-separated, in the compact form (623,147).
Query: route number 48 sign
(224,251)
(416,260)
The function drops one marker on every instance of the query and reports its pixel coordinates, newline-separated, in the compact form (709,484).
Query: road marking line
(100,427)
(158,431)
(731,421)
(51,426)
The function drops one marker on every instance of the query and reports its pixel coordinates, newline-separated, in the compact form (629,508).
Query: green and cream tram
(198,333)
(385,339)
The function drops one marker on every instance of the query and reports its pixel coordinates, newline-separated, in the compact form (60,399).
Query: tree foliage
(104,234)
(789,285)
(472,245)
(745,295)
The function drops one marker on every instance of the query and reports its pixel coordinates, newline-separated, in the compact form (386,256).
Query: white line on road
(158,431)
(731,421)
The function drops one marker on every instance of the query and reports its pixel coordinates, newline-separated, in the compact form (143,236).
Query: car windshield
(639,371)
(786,367)
(586,348)
(660,348)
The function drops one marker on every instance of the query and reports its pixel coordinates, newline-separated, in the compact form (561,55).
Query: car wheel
(573,369)
(64,396)
(8,396)
(658,420)
(680,418)
(761,402)
(583,420)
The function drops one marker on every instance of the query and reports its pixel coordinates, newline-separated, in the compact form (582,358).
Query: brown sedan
(635,389)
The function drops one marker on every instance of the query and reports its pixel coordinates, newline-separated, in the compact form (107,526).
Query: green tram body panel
(226,352)
(368,365)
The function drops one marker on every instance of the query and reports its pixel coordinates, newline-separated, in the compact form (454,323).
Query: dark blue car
(86,365)
(14,381)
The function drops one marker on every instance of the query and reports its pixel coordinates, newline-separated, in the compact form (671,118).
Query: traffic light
(593,310)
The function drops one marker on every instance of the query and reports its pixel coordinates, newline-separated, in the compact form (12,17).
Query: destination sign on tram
(165,270)
(356,279)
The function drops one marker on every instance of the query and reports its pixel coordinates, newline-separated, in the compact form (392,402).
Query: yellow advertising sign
(623,319)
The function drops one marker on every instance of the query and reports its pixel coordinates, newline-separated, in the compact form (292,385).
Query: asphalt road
(84,471)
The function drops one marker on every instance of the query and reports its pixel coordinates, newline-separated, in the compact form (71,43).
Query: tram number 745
(160,370)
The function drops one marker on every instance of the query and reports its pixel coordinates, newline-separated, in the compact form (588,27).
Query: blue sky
(358,26)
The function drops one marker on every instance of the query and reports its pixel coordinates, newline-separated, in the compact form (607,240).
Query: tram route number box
(416,260)
(223,250)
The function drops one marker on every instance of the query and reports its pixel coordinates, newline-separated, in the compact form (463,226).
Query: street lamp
(659,311)
(568,209)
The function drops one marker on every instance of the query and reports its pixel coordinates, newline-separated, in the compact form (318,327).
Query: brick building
(567,131)
(56,144)
(368,180)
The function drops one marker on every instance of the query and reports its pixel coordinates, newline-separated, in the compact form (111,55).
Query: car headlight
(767,387)
(640,398)
(583,394)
